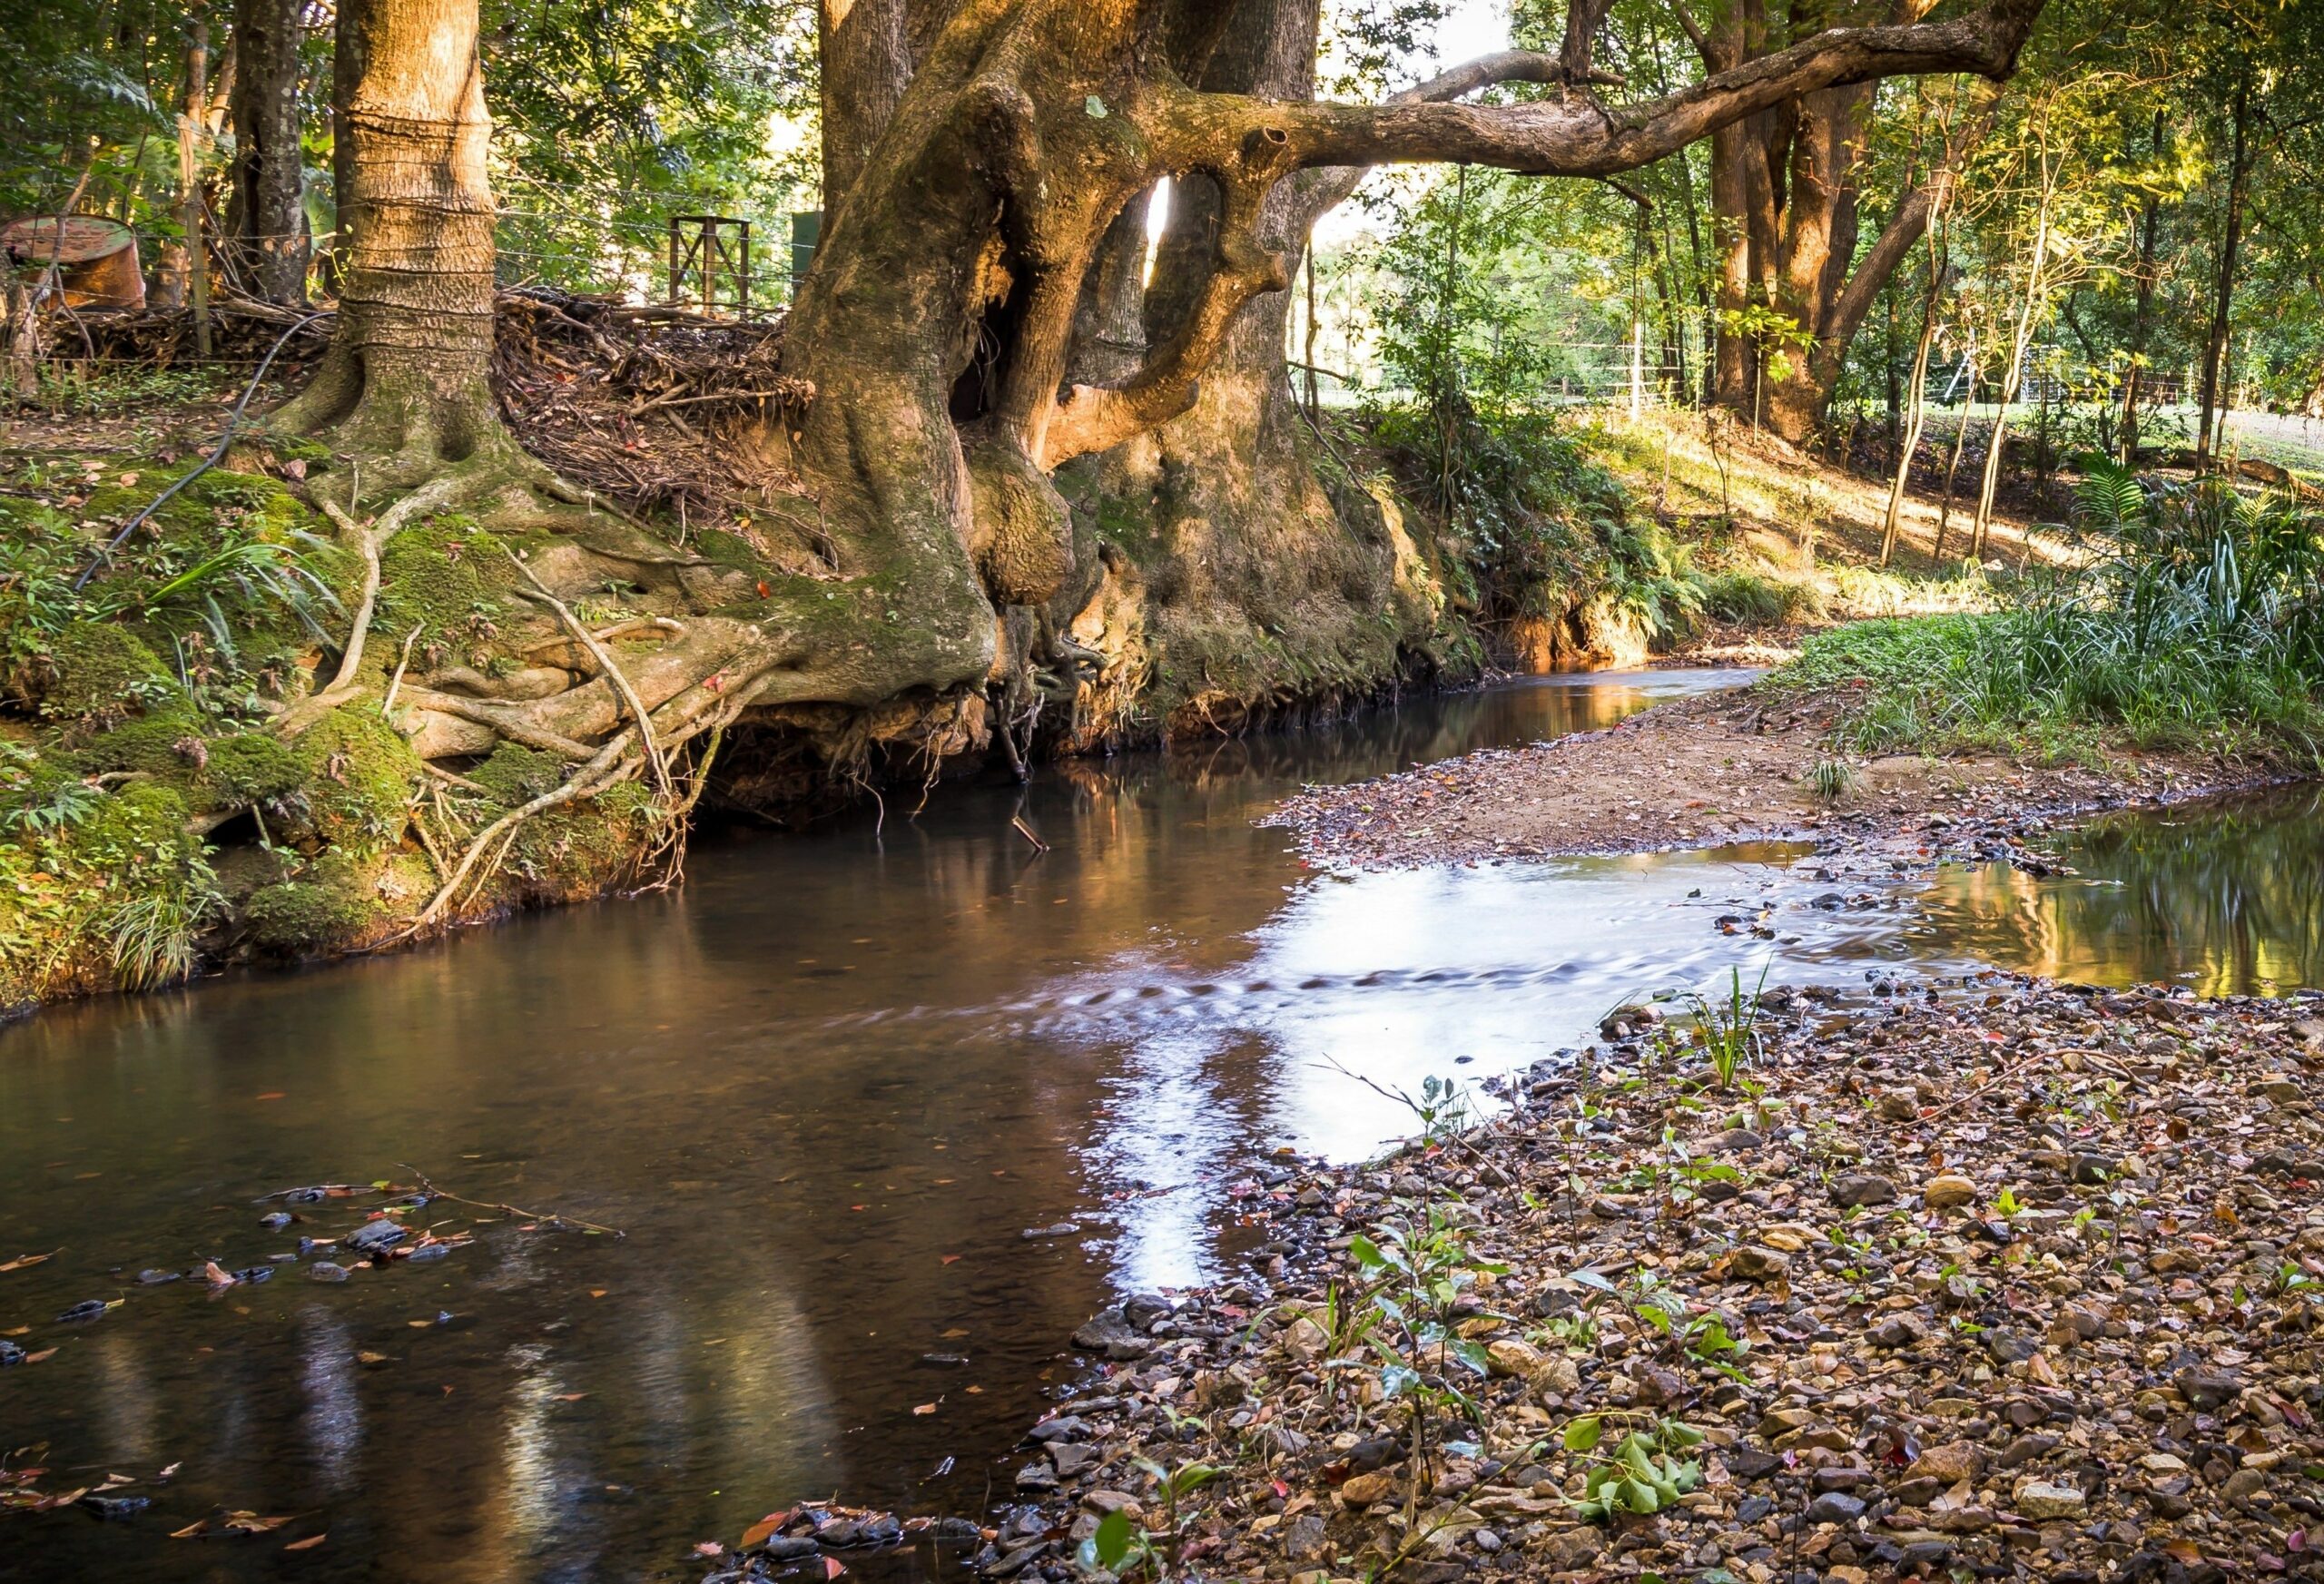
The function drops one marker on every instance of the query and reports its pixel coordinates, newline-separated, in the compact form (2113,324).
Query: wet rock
(1897,1106)
(375,1237)
(255,1274)
(1143,1310)
(1070,1459)
(1061,1229)
(429,1251)
(1861,1188)
(275,1222)
(1739,1141)
(325,1270)
(116,1508)
(787,1548)
(81,1313)
(1109,1332)
(154,1278)
(1752,1508)
(1373,1452)
(10,1353)
(1037,1478)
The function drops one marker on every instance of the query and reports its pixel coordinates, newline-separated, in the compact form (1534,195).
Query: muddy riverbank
(1708,770)
(1997,1279)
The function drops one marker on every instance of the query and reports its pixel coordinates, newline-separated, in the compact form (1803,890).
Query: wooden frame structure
(702,249)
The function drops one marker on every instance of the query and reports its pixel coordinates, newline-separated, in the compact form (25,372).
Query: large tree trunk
(265,219)
(406,373)
(936,326)
(1786,199)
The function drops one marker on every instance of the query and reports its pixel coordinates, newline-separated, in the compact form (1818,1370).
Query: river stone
(325,1270)
(1859,1188)
(2094,1170)
(1947,1192)
(1071,1458)
(1304,1339)
(10,1353)
(1108,1333)
(1900,1331)
(1142,1309)
(1036,1479)
(1750,1263)
(1898,1106)
(1951,1463)
(2207,1386)
(1835,1507)
(2010,1347)
(1364,1489)
(1510,1359)
(2039,1500)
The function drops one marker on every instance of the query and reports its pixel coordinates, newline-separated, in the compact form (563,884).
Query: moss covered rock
(357,773)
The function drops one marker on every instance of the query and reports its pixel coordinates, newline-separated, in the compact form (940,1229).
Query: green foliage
(1642,1473)
(2199,618)
(1726,1031)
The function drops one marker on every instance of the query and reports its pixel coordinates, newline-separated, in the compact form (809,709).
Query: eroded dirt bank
(2003,1280)
(1721,767)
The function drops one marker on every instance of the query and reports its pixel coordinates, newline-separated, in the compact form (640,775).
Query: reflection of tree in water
(2222,898)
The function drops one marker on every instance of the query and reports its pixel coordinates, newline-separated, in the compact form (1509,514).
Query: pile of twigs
(652,407)
(240,330)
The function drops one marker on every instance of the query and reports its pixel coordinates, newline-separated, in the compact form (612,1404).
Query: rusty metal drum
(96,257)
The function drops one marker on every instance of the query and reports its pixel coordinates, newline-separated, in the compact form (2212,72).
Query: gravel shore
(2004,1279)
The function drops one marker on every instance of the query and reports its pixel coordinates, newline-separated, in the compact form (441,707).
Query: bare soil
(1704,771)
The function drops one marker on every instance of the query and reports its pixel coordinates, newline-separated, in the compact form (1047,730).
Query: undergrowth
(2196,621)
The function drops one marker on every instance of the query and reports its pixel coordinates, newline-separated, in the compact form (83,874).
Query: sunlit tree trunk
(2142,311)
(2223,293)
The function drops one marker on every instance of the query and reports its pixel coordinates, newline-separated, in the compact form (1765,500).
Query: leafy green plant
(1726,1031)
(1640,1473)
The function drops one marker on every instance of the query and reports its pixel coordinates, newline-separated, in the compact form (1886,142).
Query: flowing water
(826,1090)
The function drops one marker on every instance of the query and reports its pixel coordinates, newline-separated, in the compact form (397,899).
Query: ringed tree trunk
(404,380)
(1786,202)
(265,219)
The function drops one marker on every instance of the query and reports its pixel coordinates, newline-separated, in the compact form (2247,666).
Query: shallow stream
(826,1091)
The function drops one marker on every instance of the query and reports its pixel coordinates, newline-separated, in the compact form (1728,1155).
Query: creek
(827,1090)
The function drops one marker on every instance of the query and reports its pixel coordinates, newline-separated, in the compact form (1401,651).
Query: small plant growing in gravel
(1833,779)
(1640,1473)
(1726,1031)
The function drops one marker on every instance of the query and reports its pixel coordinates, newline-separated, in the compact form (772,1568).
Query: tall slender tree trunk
(2223,299)
(2142,311)
(265,218)
(1917,398)
(1960,446)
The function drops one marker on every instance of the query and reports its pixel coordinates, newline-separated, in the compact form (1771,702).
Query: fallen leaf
(950,1258)
(216,1277)
(308,1544)
(834,1566)
(596,1292)
(21,1261)
(46,1353)
(570,1396)
(708,1549)
(277,1095)
(925,1408)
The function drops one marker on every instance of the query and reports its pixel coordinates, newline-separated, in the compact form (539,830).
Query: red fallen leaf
(859,1206)
(708,1549)
(834,1566)
(1282,1490)
(950,1259)
(312,1540)
(277,1095)
(46,1353)
(764,592)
